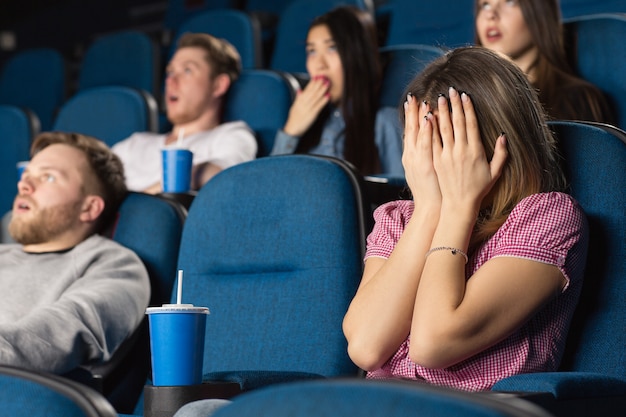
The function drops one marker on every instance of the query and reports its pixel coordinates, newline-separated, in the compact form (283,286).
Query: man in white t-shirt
(198,78)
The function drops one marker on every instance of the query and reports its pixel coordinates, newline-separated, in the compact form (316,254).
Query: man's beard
(46,225)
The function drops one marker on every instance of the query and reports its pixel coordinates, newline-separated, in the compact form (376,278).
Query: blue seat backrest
(600,61)
(274,248)
(17,129)
(373,398)
(293,25)
(26,393)
(595,157)
(108,113)
(178,11)
(129,58)
(261,98)
(575,8)
(35,79)
(240,29)
(152,227)
(401,64)
(447,23)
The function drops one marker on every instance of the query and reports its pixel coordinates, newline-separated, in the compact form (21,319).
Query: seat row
(260,97)
(341,397)
(37,79)
(274,248)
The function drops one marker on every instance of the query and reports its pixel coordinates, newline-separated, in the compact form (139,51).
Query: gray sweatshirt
(63,309)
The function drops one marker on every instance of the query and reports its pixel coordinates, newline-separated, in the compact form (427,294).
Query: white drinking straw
(179,293)
(181,135)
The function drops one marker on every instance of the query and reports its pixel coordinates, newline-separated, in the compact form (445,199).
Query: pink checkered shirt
(549,228)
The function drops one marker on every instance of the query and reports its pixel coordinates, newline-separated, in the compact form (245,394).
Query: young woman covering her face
(531,34)
(478,277)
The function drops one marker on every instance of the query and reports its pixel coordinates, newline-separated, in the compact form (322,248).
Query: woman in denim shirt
(337,113)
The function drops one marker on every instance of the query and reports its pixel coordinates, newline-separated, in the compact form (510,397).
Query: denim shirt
(388,138)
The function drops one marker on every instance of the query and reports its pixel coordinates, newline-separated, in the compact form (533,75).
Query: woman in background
(531,34)
(337,113)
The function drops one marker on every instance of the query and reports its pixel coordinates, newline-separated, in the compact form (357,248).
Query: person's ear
(93,206)
(221,84)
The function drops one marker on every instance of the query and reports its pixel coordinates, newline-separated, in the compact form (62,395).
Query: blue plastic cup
(176,170)
(177,343)
(21,166)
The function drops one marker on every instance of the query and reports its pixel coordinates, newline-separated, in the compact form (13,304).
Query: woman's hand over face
(420,131)
(465,176)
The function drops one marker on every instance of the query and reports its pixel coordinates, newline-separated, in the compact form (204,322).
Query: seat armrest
(564,385)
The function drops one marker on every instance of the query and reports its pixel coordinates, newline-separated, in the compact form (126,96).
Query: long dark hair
(354,33)
(561,91)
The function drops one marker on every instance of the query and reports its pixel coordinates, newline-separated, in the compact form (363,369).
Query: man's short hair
(106,176)
(221,55)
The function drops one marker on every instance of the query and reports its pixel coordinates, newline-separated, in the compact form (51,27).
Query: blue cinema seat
(592,376)
(177,11)
(274,248)
(576,8)
(261,98)
(599,56)
(26,393)
(110,113)
(242,30)
(447,23)
(127,57)
(373,398)
(401,63)
(35,79)
(293,25)
(18,127)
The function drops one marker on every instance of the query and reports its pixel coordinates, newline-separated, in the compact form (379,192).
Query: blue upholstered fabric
(178,11)
(274,248)
(594,363)
(261,98)
(35,79)
(370,398)
(575,8)
(129,58)
(447,23)
(293,26)
(256,379)
(240,29)
(29,394)
(17,128)
(402,64)
(110,113)
(566,385)
(152,227)
(600,61)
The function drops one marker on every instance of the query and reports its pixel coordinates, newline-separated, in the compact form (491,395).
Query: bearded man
(70,295)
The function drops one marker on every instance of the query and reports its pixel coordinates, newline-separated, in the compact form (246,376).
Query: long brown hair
(563,94)
(505,102)
(354,33)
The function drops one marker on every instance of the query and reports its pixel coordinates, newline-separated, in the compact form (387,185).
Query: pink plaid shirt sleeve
(549,228)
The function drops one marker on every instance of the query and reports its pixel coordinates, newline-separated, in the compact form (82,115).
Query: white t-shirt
(225,145)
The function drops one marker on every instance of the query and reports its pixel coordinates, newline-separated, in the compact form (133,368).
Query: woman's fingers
(446,131)
(500,155)
(470,121)
(458,116)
